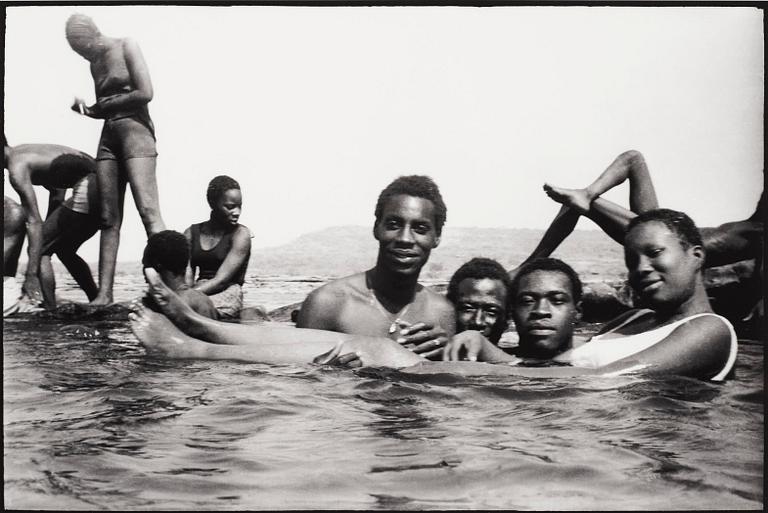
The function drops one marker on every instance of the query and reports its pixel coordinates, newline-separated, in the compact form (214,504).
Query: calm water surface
(91,422)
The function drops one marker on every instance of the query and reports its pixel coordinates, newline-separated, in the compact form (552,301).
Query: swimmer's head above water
(409,219)
(665,256)
(167,250)
(546,304)
(480,291)
(418,186)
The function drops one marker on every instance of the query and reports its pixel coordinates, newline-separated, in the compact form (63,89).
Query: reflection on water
(90,422)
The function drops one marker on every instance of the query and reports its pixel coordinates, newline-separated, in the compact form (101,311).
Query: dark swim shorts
(126,138)
(67,230)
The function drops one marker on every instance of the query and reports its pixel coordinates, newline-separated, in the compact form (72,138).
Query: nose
(405,236)
(479,318)
(642,266)
(541,308)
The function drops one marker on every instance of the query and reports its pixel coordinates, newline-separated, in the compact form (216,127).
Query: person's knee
(14,218)
(149,215)
(633,156)
(110,218)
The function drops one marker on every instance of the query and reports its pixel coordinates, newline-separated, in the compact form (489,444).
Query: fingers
(332,358)
(430,345)
(348,360)
(455,351)
(432,354)
(428,332)
(330,355)
(413,328)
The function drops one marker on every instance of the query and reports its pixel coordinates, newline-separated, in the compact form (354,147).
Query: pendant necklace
(387,315)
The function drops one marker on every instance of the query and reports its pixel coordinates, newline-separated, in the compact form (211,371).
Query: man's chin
(541,348)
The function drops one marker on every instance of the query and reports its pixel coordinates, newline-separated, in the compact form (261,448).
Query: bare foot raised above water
(577,199)
(166,299)
(158,335)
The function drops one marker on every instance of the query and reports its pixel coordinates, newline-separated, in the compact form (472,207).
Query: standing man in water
(387,300)
(54,167)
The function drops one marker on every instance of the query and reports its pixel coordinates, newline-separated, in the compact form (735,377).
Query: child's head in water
(167,251)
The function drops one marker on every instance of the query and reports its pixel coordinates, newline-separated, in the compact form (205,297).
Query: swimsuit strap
(734,339)
(633,317)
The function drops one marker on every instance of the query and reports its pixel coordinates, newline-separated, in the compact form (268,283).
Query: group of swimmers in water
(383,316)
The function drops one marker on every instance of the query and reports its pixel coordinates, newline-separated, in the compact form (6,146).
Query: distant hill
(342,250)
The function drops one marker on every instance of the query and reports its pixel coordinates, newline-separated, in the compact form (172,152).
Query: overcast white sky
(315,110)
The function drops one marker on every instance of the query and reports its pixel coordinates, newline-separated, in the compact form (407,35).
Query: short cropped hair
(66,170)
(477,269)
(168,249)
(548,264)
(79,28)
(218,186)
(678,223)
(419,186)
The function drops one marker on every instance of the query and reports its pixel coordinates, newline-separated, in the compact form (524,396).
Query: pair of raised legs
(727,243)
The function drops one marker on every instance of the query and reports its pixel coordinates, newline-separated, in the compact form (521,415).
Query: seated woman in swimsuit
(220,249)
(677,334)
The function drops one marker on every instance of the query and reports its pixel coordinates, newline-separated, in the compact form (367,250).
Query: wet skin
(661,269)
(481,306)
(544,312)
(406,233)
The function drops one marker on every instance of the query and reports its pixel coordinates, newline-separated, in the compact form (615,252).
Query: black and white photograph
(383,257)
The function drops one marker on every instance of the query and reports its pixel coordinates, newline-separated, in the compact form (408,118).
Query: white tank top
(78,202)
(603,349)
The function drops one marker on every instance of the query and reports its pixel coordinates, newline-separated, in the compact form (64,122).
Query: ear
(437,242)
(700,254)
(579,311)
(374,231)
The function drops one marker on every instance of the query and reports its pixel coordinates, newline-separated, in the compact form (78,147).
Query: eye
(465,307)
(525,300)
(558,300)
(391,224)
(421,229)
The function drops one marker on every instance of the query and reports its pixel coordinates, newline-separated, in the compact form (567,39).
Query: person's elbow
(34,225)
(145,94)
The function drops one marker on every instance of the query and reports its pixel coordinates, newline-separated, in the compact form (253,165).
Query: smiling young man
(543,299)
(387,300)
(481,292)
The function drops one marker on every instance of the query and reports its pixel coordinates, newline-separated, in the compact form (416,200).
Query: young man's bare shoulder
(436,299)
(347,286)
